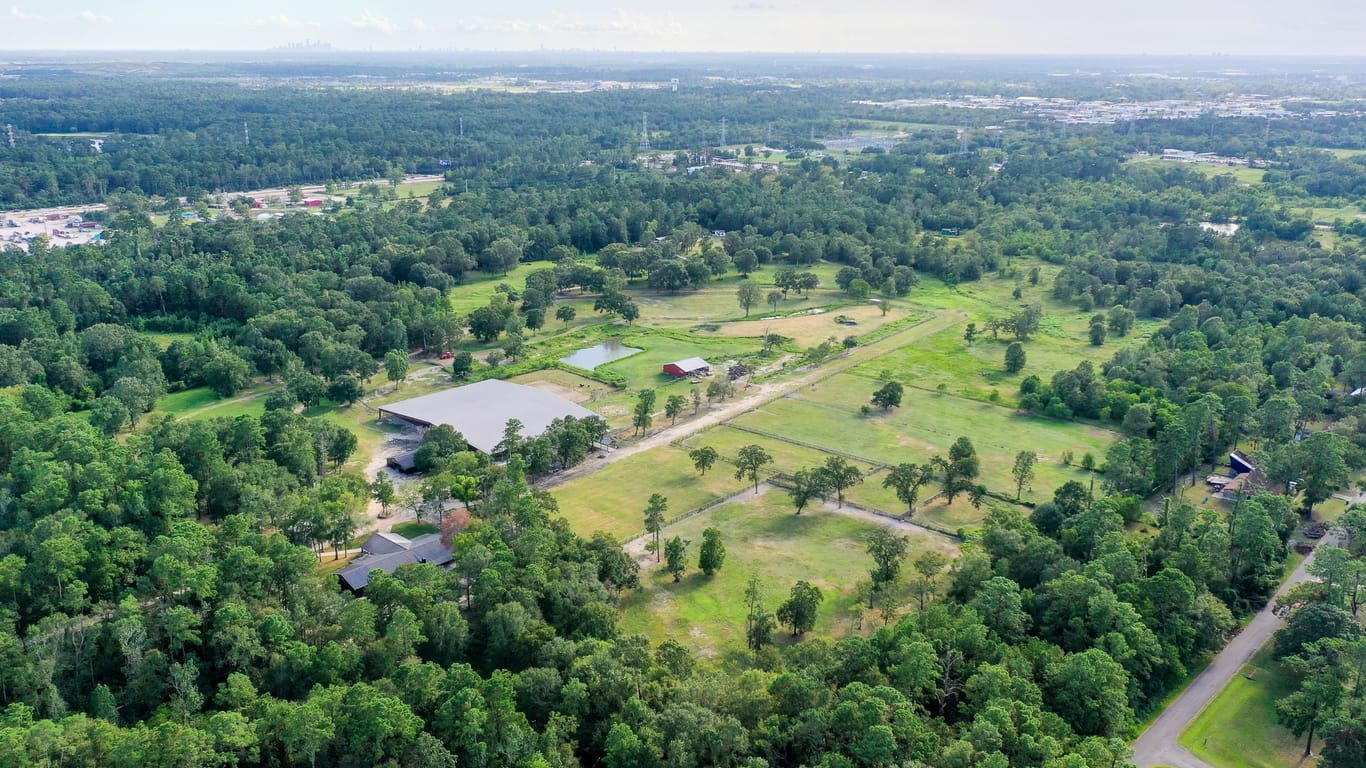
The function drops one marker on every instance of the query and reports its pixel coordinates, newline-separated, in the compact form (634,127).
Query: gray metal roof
(691,364)
(481,411)
(424,549)
(385,544)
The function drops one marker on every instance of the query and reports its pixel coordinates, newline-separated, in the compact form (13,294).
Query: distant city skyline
(1159,27)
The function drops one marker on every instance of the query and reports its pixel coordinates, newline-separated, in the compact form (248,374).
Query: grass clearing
(202,403)
(414,528)
(613,499)
(480,286)
(761,535)
(165,340)
(1238,729)
(927,423)
(787,457)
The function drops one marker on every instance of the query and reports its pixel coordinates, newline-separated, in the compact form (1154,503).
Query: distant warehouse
(481,411)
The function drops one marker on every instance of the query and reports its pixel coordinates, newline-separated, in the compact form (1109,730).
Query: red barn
(692,366)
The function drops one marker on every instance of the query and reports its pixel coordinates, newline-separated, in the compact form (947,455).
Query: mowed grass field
(716,301)
(927,424)
(976,370)
(202,403)
(613,499)
(762,536)
(1238,729)
(480,286)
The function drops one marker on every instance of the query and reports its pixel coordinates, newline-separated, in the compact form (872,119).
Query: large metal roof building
(481,411)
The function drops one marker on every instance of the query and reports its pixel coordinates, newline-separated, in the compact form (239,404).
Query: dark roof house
(1240,463)
(423,549)
(481,411)
(692,366)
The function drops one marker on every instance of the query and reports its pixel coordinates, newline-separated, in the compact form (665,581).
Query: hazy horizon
(1317,28)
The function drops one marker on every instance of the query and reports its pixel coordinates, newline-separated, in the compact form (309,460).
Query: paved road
(1158,746)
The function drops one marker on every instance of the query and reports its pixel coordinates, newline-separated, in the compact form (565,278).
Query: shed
(692,366)
(403,462)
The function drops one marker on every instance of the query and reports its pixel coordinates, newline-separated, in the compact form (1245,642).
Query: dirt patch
(809,330)
(568,393)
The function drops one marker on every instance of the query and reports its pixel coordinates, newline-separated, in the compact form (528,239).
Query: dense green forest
(161,601)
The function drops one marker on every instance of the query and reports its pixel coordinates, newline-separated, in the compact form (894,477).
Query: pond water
(589,358)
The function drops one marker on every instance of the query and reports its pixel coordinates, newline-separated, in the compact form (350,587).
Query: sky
(1272,27)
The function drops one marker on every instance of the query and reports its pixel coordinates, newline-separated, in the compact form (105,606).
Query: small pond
(589,358)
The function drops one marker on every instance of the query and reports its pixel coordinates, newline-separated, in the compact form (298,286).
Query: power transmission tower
(723,132)
(962,141)
(246,134)
(10,130)
(644,131)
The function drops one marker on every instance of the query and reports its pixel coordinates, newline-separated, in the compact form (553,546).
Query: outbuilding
(480,412)
(692,366)
(404,462)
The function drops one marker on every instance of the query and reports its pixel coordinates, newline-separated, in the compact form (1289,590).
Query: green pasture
(479,287)
(164,340)
(646,368)
(1239,729)
(931,509)
(202,403)
(762,536)
(716,301)
(787,457)
(612,500)
(927,424)
(418,189)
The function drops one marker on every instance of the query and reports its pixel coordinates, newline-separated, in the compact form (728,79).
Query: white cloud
(370,21)
(485,24)
(95,18)
(625,23)
(16,13)
(287,22)
(418,25)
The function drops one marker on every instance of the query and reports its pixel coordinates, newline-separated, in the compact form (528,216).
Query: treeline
(137,632)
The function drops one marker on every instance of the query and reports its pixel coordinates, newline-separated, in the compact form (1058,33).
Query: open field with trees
(1030,340)
(613,500)
(762,536)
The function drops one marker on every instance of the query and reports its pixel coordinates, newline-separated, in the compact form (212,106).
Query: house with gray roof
(387,551)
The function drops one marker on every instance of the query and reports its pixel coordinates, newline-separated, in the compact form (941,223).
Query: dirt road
(757,396)
(1159,746)
(636,547)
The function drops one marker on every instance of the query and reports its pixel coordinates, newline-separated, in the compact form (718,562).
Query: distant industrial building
(480,412)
